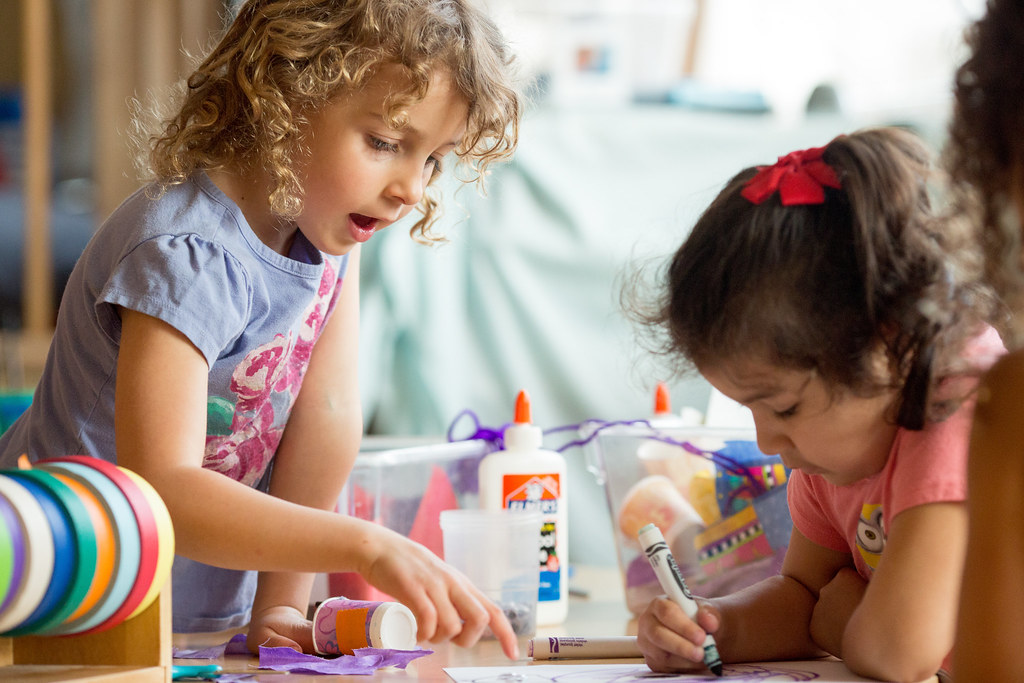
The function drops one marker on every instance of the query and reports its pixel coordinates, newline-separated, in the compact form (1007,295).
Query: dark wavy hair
(984,153)
(826,286)
(279,60)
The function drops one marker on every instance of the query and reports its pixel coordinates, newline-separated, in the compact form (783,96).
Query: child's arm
(311,466)
(902,627)
(767,621)
(990,636)
(160,432)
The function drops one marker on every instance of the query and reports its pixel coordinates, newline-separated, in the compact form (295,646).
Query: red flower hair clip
(799,177)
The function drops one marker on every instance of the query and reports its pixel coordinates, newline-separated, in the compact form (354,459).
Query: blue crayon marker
(671,580)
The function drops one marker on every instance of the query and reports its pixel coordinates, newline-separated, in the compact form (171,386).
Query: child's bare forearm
(222,522)
(836,603)
(767,621)
(905,624)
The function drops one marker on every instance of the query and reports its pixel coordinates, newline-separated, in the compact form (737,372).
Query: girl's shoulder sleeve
(192,283)
(930,465)
(810,509)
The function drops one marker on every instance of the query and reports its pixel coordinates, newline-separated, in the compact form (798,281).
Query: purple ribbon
(496,438)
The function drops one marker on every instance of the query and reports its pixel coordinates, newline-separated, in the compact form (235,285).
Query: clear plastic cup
(498,551)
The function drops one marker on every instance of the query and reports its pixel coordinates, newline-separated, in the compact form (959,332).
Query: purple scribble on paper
(365,661)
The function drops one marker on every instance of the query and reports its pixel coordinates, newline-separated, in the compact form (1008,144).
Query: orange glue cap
(522,434)
(662,399)
(522,415)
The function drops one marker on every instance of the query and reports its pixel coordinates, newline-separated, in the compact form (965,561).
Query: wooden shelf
(138,650)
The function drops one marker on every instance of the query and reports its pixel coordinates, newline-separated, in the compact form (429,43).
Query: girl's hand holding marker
(671,579)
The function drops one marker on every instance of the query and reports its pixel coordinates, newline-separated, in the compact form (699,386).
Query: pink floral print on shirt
(265,385)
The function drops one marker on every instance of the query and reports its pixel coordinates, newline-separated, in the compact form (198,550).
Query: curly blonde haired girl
(207,336)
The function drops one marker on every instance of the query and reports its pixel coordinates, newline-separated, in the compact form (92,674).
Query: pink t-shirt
(926,466)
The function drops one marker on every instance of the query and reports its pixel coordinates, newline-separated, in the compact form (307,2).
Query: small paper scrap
(365,661)
(235,646)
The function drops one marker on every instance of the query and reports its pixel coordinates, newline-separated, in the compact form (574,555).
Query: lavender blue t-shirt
(188,257)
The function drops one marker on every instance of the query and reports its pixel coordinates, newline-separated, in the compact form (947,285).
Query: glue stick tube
(341,626)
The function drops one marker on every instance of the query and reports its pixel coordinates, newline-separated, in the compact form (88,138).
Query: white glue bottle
(525,476)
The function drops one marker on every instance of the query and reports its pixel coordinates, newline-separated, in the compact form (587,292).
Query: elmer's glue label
(524,476)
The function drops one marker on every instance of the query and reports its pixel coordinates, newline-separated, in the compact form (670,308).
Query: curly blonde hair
(247,102)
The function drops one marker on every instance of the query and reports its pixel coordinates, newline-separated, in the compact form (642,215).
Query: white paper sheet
(820,671)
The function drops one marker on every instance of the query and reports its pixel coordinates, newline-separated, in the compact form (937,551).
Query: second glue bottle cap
(522,434)
(662,400)
(664,418)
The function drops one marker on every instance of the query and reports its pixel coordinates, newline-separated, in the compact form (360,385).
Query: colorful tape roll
(105,548)
(74,542)
(149,538)
(38,553)
(84,545)
(126,544)
(164,532)
(12,553)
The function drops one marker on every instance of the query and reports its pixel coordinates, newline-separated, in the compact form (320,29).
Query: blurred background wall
(69,70)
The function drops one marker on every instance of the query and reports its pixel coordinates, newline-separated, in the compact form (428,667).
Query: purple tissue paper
(365,661)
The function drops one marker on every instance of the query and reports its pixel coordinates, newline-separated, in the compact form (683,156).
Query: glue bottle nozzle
(522,415)
(662,400)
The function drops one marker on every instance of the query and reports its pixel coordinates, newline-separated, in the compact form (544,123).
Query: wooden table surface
(602,612)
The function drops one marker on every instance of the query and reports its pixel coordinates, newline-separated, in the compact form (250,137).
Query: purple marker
(578,647)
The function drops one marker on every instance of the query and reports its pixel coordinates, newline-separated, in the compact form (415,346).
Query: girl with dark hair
(822,293)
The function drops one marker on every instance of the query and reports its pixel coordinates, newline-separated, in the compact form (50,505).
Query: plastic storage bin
(405,489)
(722,510)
